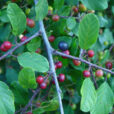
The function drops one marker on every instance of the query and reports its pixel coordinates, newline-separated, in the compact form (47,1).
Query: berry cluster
(41,82)
(5,46)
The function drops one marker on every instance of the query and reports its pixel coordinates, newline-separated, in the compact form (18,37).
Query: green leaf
(35,61)
(20,94)
(68,109)
(34,44)
(58,4)
(105,100)
(3,16)
(88,31)
(27,78)
(71,2)
(41,9)
(6,100)
(17,18)
(95,4)
(11,75)
(71,22)
(5,31)
(89,95)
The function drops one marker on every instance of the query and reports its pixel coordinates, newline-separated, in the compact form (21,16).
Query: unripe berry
(40,79)
(30,23)
(51,38)
(7,45)
(61,77)
(108,65)
(55,18)
(86,73)
(82,8)
(43,85)
(90,53)
(75,9)
(76,62)
(99,73)
(59,64)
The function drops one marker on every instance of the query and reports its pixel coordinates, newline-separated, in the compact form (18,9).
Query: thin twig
(18,45)
(82,60)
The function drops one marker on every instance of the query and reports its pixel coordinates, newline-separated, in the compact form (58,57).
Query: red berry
(38,50)
(86,73)
(108,65)
(53,81)
(75,9)
(76,62)
(55,18)
(23,38)
(29,112)
(99,73)
(7,45)
(30,23)
(61,77)
(66,52)
(59,64)
(43,85)
(39,79)
(90,53)
(51,38)
(3,48)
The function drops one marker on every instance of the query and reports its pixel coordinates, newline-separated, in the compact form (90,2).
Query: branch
(82,60)
(51,62)
(18,45)
(30,101)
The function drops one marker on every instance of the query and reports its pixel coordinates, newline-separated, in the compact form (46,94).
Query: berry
(106,43)
(63,46)
(7,45)
(38,50)
(76,62)
(29,112)
(82,8)
(66,52)
(59,64)
(3,48)
(55,66)
(53,82)
(43,85)
(90,53)
(23,38)
(73,106)
(75,9)
(50,10)
(61,77)
(86,73)
(108,75)
(99,73)
(51,38)
(39,79)
(27,11)
(108,65)
(55,18)
(30,23)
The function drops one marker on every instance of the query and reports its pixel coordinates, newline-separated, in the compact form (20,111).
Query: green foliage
(27,78)
(41,9)
(89,95)
(6,100)
(35,61)
(95,4)
(17,18)
(88,31)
